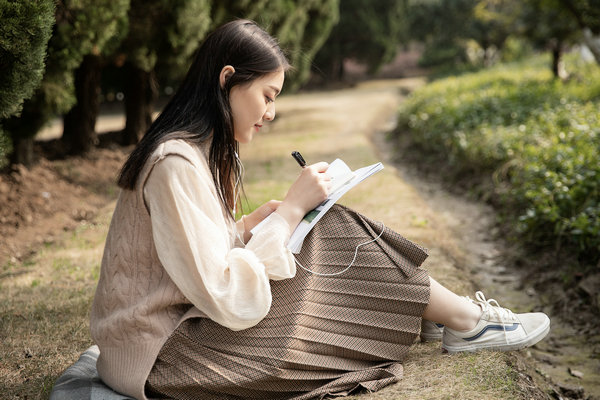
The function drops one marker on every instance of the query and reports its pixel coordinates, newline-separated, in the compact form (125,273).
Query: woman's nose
(270,113)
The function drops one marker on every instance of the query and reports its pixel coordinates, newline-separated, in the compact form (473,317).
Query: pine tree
(24,35)
(82,27)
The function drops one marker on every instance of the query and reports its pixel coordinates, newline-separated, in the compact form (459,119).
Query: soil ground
(54,218)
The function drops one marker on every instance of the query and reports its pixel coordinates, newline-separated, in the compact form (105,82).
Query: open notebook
(342,179)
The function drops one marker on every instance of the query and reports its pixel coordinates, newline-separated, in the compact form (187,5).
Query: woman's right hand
(308,191)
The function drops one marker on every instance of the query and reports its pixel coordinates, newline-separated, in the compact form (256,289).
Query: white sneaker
(431,331)
(498,329)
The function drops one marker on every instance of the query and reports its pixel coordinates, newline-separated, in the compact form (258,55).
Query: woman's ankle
(467,321)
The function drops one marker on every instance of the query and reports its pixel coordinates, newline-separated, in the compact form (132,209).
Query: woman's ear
(225,74)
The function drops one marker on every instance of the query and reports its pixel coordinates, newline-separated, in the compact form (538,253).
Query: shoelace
(492,306)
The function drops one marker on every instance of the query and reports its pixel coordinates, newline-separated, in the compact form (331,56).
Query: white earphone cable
(236,187)
(349,265)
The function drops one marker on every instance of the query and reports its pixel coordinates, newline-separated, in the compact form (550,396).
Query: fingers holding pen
(310,188)
(308,191)
(316,174)
(320,168)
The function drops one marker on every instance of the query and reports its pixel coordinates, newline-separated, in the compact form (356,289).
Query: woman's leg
(446,307)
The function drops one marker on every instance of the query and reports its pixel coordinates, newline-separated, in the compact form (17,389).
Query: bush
(539,137)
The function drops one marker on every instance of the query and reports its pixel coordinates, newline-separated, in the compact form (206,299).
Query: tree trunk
(140,94)
(79,134)
(22,151)
(22,130)
(340,72)
(556,61)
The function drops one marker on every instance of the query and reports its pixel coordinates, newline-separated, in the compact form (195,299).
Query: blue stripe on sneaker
(495,328)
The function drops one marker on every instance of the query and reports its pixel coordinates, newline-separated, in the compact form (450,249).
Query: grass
(528,141)
(44,308)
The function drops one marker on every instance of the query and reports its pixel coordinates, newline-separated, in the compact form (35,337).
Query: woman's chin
(245,138)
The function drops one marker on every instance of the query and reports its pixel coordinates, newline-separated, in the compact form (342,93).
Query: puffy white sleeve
(230,285)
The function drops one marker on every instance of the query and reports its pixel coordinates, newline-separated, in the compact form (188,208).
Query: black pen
(298,157)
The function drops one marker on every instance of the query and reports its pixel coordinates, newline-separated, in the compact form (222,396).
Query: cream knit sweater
(172,253)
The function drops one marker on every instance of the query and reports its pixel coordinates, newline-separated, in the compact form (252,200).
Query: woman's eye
(268,99)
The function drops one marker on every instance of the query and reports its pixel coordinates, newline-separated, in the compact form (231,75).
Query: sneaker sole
(430,337)
(529,341)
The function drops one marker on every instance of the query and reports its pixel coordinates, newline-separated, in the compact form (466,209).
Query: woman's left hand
(256,217)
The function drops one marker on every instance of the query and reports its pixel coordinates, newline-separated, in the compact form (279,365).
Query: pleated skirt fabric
(324,335)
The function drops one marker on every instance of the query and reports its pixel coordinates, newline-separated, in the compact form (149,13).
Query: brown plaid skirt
(324,335)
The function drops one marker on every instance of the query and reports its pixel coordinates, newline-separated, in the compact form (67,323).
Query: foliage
(492,24)
(183,24)
(538,137)
(82,27)
(442,26)
(304,34)
(516,49)
(368,32)
(587,15)
(545,21)
(548,25)
(23,43)
(301,26)
(449,28)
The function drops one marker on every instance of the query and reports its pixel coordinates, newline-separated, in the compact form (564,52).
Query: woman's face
(253,104)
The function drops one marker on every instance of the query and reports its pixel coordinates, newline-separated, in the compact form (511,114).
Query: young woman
(191,305)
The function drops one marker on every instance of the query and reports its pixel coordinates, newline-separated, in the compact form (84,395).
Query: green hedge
(538,137)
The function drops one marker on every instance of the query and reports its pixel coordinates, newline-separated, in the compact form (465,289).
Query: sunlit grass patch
(529,140)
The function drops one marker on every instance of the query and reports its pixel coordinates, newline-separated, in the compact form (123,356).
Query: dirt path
(45,296)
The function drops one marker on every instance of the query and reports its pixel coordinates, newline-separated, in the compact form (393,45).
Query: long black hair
(200,108)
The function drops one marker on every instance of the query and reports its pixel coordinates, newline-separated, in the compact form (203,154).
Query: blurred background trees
(63,58)
(368,32)
(301,27)
(587,15)
(79,28)
(98,27)
(147,52)
(549,26)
